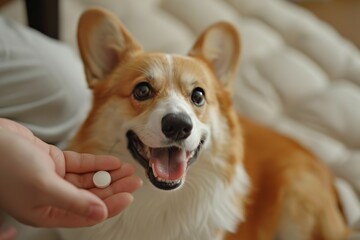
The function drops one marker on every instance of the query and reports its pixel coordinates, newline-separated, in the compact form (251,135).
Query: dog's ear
(103,42)
(219,46)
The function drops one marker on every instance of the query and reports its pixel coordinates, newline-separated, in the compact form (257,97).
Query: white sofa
(297,75)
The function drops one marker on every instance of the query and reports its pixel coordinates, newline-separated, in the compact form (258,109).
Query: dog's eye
(143,91)
(198,96)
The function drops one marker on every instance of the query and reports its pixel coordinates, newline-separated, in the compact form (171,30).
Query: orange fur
(289,186)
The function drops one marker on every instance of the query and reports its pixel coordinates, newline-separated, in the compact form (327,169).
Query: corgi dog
(209,173)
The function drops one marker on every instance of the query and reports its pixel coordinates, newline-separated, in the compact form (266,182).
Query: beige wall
(344,15)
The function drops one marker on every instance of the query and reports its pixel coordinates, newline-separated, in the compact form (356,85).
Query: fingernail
(96,212)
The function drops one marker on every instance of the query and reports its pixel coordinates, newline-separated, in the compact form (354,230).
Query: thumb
(72,207)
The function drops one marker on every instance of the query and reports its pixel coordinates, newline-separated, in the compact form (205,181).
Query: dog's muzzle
(166,165)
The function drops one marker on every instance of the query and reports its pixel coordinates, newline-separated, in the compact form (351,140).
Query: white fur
(202,206)
(170,61)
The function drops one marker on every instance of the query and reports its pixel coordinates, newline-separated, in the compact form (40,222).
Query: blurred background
(344,15)
(49,16)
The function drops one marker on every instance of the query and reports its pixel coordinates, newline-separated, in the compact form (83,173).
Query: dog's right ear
(219,46)
(103,42)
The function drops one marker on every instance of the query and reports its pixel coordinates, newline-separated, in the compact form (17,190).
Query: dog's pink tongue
(169,163)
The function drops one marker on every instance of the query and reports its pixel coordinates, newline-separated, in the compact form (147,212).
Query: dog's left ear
(219,46)
(104,43)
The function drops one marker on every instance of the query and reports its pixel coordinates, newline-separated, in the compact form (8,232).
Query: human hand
(41,185)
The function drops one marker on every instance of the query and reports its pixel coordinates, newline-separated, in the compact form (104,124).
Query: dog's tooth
(172,182)
(153,169)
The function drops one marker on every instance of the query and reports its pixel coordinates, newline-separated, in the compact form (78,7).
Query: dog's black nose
(176,126)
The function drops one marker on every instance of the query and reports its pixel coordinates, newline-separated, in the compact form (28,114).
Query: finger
(57,217)
(8,234)
(82,162)
(128,184)
(125,170)
(85,181)
(118,202)
(63,195)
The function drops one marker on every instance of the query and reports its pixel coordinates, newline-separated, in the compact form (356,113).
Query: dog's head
(162,107)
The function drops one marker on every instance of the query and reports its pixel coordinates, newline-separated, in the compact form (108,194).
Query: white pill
(102,179)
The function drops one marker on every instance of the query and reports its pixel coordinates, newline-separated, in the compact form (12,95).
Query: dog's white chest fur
(203,207)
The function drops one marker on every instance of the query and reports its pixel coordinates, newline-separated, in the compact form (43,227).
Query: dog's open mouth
(165,167)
